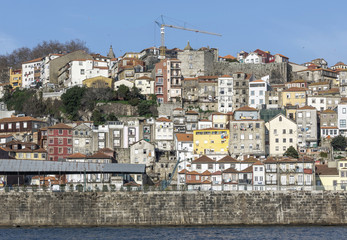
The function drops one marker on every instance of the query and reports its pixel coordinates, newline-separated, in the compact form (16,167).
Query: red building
(59,142)
(168,79)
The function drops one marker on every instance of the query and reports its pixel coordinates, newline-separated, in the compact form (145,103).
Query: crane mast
(162,35)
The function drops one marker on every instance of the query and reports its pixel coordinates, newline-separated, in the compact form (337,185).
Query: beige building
(145,85)
(282,134)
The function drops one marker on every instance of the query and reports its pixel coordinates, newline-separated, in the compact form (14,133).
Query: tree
(98,118)
(291,152)
(72,101)
(339,143)
(123,92)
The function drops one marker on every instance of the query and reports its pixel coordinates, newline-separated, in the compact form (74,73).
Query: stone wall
(172,208)
(279,72)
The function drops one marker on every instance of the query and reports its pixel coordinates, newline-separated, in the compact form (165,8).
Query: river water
(188,233)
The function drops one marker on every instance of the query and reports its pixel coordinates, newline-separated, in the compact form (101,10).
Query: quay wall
(172,208)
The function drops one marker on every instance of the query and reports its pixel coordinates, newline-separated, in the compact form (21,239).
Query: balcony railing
(245,181)
(158,83)
(271,170)
(272,182)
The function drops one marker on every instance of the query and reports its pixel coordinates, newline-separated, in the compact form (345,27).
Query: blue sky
(301,30)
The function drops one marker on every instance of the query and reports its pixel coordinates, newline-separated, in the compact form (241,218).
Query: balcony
(158,92)
(245,181)
(159,83)
(159,74)
(271,170)
(272,182)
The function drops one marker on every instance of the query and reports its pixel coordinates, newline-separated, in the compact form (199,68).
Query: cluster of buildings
(224,123)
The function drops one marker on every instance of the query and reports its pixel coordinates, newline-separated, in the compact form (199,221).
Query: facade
(31,72)
(283,133)
(164,134)
(241,89)
(168,79)
(145,85)
(342,118)
(184,150)
(179,120)
(82,139)
(247,137)
(25,150)
(59,142)
(22,128)
(142,152)
(197,62)
(225,94)
(15,78)
(98,82)
(294,97)
(257,90)
(211,141)
(306,119)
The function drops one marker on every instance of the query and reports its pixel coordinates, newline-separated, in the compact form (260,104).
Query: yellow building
(98,82)
(211,141)
(16,78)
(28,154)
(330,177)
(294,96)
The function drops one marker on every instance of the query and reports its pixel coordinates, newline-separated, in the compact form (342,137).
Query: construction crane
(162,34)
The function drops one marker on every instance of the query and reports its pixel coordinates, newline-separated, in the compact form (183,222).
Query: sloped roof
(206,173)
(192,112)
(307,108)
(60,126)
(227,159)
(247,170)
(163,119)
(230,170)
(258,163)
(250,159)
(295,89)
(246,108)
(203,159)
(20,119)
(77,156)
(184,137)
(99,155)
(325,170)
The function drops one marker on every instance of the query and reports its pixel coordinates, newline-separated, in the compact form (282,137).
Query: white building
(31,72)
(283,133)
(78,70)
(184,150)
(127,83)
(145,85)
(164,134)
(257,90)
(342,118)
(253,57)
(204,123)
(225,93)
(258,176)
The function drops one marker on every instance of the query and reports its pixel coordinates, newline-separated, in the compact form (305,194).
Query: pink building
(59,142)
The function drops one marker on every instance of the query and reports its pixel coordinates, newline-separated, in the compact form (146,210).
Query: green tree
(98,118)
(339,143)
(72,101)
(123,92)
(291,152)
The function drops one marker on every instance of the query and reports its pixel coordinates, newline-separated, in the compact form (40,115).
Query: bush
(113,187)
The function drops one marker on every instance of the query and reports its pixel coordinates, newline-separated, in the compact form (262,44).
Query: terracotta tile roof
(282,55)
(226,76)
(344,99)
(106,150)
(295,89)
(246,108)
(205,120)
(270,160)
(230,170)
(307,108)
(192,112)
(206,173)
(20,119)
(34,60)
(325,170)
(247,170)
(183,137)
(99,155)
(60,126)
(206,182)
(250,159)
(227,159)
(329,111)
(77,156)
(229,57)
(258,80)
(330,127)
(319,83)
(163,119)
(217,173)
(218,113)
(330,91)
(298,81)
(183,171)
(193,173)
(6,136)
(131,184)
(203,159)
(258,163)
(178,109)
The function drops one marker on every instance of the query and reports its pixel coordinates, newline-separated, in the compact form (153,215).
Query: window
(277,148)
(60,150)
(290,131)
(284,140)
(342,123)
(344,110)
(242,136)
(60,141)
(250,136)
(82,71)
(10,126)
(87,141)
(276,140)
(69,141)
(300,115)
(36,155)
(60,132)
(116,142)
(77,141)
(210,166)
(2,126)
(257,125)
(290,140)
(252,93)
(284,131)
(308,114)
(198,166)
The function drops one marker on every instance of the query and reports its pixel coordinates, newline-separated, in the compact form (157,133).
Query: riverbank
(173,208)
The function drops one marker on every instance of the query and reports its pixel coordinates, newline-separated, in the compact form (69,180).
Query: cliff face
(172,208)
